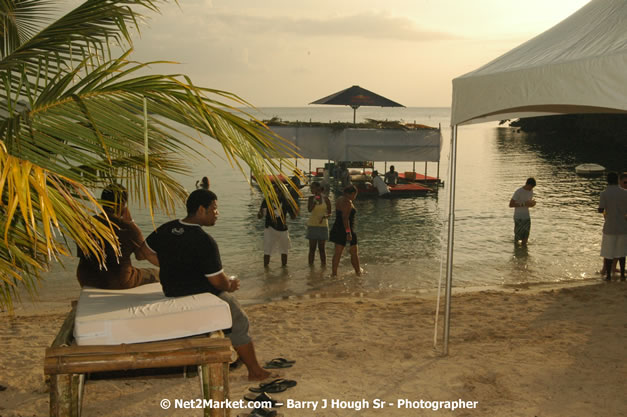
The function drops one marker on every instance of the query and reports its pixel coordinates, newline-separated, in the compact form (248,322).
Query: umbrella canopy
(355,97)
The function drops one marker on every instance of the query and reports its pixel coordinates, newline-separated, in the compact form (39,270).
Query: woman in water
(343,231)
(318,226)
(203,183)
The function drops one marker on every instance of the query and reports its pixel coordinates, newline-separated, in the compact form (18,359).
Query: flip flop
(279,363)
(235,365)
(276,386)
(265,398)
(283,360)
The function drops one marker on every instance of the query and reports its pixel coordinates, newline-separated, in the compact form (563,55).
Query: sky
(288,53)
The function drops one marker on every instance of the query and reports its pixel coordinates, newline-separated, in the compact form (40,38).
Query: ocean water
(402,241)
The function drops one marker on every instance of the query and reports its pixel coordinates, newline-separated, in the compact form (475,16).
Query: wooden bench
(67,364)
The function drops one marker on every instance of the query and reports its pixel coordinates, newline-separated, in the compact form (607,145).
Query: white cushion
(145,314)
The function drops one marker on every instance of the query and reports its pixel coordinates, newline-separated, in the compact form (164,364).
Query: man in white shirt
(377,182)
(521,201)
(614,244)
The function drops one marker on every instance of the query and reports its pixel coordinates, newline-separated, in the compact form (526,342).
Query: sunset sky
(290,53)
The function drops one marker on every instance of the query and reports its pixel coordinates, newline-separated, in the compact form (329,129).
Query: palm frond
(31,61)
(20,20)
(78,129)
(39,211)
(73,118)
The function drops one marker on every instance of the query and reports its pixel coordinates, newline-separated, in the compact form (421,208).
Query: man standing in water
(521,201)
(377,182)
(614,243)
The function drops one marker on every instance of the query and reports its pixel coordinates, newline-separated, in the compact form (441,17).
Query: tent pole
(439,152)
(451,235)
(425,171)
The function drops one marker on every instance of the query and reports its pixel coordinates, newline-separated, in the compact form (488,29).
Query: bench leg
(64,395)
(214,387)
(80,390)
(227,389)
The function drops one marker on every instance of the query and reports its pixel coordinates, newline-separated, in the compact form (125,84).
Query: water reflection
(520,263)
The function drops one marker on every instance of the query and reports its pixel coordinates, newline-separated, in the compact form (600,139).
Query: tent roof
(577,66)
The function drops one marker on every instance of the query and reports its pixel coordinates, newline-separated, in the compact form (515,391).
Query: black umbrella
(356,96)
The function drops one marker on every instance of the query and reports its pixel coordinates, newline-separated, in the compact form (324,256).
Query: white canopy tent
(577,66)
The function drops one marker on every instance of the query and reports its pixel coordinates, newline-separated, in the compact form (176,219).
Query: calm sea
(402,241)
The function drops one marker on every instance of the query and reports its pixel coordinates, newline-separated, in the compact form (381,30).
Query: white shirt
(380,185)
(614,201)
(522,196)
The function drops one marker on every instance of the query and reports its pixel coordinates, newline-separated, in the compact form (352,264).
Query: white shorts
(273,239)
(614,246)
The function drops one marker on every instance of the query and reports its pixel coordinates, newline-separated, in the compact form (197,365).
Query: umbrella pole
(354,114)
(451,235)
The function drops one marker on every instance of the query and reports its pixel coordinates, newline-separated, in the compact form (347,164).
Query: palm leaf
(95,113)
(73,118)
(39,211)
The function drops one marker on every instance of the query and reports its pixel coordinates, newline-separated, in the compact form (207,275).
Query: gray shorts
(239,332)
(317,233)
(522,227)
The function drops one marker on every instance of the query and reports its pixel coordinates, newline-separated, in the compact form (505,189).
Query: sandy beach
(525,352)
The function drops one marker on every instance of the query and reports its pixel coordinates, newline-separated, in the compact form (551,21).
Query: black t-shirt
(275,221)
(187,256)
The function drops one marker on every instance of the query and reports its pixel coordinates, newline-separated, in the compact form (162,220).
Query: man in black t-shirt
(190,264)
(275,234)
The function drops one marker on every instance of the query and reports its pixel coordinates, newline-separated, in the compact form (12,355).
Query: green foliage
(75,117)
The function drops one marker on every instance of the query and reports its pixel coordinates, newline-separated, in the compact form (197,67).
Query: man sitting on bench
(190,264)
(118,273)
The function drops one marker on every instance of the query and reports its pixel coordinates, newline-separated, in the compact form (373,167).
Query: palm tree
(75,116)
